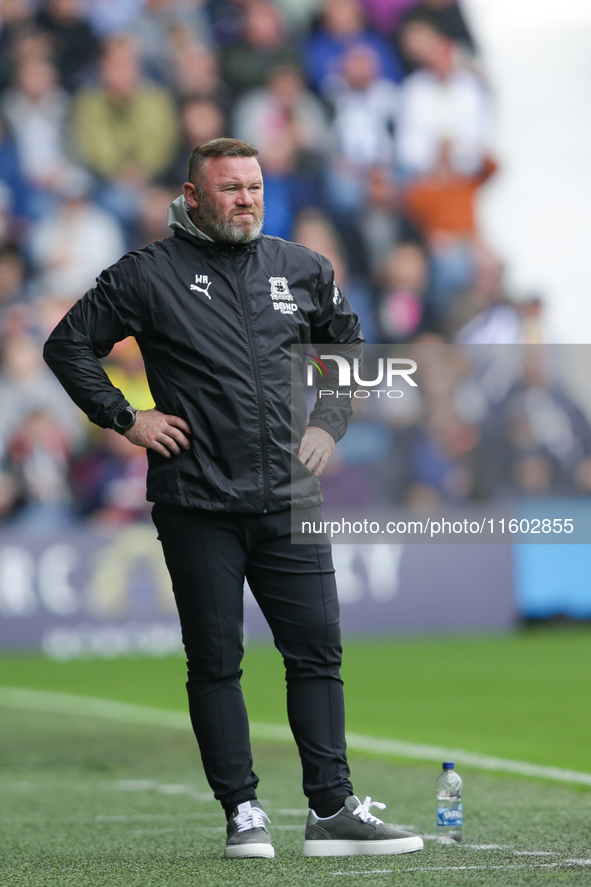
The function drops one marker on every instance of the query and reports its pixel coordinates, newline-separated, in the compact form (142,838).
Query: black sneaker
(353,831)
(247,833)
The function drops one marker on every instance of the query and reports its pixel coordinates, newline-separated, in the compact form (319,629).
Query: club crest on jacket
(283,300)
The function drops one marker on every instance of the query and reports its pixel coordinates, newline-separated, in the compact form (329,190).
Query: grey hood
(178,217)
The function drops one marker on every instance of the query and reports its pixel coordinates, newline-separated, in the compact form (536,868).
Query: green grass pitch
(87,802)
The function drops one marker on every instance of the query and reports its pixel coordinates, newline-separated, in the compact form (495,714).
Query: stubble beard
(207,217)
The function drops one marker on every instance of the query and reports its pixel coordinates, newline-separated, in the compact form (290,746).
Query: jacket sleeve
(335,330)
(112,310)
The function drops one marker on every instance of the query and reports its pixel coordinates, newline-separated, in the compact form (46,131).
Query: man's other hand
(156,431)
(316,449)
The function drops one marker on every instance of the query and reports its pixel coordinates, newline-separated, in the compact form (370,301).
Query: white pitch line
(90,706)
(535,852)
(471,759)
(125,712)
(567,863)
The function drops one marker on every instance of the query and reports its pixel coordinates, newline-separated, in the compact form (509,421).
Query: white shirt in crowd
(432,110)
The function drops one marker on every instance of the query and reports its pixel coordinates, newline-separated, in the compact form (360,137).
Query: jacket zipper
(259,385)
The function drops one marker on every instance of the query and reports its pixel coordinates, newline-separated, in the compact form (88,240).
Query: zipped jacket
(215,324)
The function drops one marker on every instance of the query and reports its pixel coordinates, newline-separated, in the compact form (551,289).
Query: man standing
(215,310)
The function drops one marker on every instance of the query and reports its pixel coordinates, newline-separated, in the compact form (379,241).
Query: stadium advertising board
(97,593)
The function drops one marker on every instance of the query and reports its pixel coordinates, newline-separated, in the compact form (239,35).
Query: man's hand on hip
(156,431)
(316,449)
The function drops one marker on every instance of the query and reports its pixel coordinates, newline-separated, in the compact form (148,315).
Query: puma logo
(202,278)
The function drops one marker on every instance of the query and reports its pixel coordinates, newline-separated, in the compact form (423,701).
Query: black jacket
(215,324)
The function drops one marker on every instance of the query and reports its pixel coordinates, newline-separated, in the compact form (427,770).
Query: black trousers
(208,555)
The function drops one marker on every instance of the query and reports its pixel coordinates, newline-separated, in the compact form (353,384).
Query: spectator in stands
(38,458)
(36,108)
(160,27)
(485,315)
(441,203)
(29,43)
(442,101)
(18,311)
(13,15)
(403,281)
(226,21)
(299,14)
(441,455)
(9,496)
(535,441)
(292,182)
(315,230)
(349,481)
(16,16)
(343,26)
(125,129)
(381,224)
(283,103)
(125,368)
(447,18)
(13,288)
(109,482)
(17,195)
(75,46)
(19,315)
(247,64)
(125,126)
(152,223)
(73,243)
(439,446)
(201,120)
(532,318)
(365,107)
(110,17)
(27,387)
(5,214)
(386,15)
(196,74)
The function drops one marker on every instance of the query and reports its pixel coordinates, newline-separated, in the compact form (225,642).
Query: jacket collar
(215,246)
(180,220)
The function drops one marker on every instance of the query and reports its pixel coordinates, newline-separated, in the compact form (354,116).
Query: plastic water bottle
(449,805)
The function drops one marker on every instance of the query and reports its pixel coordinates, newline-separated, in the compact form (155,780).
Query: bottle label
(450,815)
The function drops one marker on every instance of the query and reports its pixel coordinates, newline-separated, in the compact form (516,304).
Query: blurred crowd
(492,423)
(373,122)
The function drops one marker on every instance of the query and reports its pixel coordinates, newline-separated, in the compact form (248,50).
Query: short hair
(426,19)
(217,148)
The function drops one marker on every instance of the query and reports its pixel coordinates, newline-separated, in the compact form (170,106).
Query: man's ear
(190,194)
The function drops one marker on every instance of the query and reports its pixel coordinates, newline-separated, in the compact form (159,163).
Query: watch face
(124,419)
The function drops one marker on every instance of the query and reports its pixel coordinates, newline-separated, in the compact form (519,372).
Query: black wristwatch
(124,419)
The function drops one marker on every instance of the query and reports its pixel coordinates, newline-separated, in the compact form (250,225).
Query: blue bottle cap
(448,765)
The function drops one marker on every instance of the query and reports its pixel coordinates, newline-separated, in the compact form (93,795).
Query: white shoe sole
(363,848)
(249,851)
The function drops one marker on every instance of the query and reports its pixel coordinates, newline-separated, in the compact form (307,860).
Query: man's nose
(245,198)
